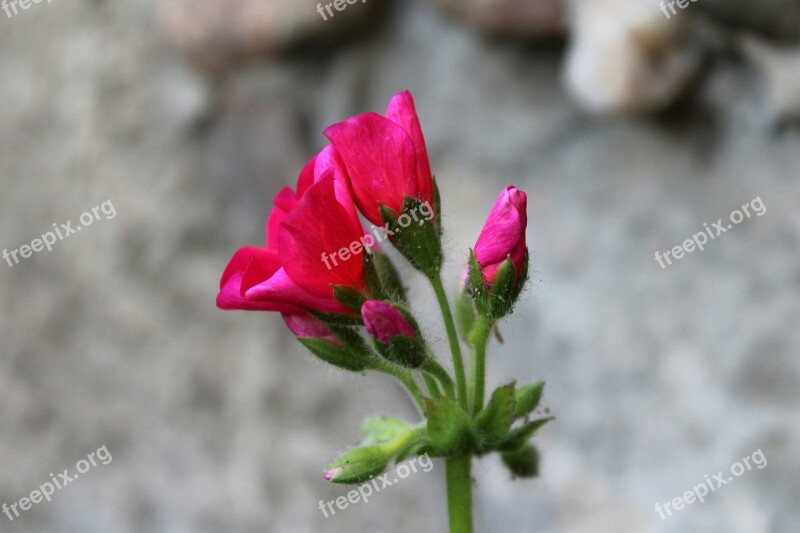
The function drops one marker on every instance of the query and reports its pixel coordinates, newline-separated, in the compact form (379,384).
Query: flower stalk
(346,302)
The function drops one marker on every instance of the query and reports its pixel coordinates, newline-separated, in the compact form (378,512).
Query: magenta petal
(320,225)
(504,228)
(380,160)
(281,288)
(403,112)
(328,160)
(230,299)
(305,326)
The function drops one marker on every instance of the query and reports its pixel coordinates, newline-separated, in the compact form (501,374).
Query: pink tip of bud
(331,473)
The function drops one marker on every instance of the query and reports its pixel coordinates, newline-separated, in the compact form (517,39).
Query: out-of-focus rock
(778,19)
(626,56)
(518,18)
(217,33)
(781,70)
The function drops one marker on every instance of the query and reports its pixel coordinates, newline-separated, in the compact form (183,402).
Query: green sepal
(437,207)
(519,436)
(337,355)
(523,462)
(494,422)
(360,464)
(528,399)
(502,291)
(389,277)
(419,446)
(522,279)
(375,288)
(419,241)
(477,288)
(380,430)
(348,297)
(405,351)
(449,428)
(338,319)
(465,314)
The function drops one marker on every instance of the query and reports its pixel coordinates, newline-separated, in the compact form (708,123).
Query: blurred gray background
(190,116)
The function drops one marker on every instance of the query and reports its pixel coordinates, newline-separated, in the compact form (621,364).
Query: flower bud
(395,338)
(503,235)
(498,265)
(523,462)
(358,465)
(384,321)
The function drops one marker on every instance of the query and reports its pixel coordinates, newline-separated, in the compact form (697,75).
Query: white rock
(626,56)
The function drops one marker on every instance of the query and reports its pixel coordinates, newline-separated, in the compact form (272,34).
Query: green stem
(433,387)
(459,493)
(455,348)
(479,338)
(430,366)
(404,377)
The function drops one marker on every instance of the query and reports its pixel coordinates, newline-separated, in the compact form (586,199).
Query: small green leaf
(523,462)
(449,427)
(528,399)
(494,422)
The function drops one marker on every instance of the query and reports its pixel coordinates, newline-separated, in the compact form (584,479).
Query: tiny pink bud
(331,473)
(383,321)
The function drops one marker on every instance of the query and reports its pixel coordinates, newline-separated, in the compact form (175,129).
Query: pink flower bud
(330,473)
(306,326)
(503,235)
(383,321)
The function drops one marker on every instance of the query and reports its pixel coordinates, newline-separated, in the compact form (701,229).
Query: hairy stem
(459,493)
(455,348)
(479,338)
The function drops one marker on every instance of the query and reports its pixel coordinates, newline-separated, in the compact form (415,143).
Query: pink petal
(380,160)
(403,112)
(320,225)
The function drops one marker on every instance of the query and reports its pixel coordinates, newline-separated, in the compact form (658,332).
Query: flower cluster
(354,313)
